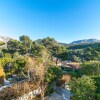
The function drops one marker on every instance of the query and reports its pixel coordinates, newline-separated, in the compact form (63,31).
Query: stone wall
(30,95)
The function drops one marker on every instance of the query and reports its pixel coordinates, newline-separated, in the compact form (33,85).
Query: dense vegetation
(26,59)
(2,43)
(90,52)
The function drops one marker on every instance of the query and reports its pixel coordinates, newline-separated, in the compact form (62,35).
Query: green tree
(97,83)
(26,43)
(13,45)
(83,88)
(91,68)
(25,40)
(19,64)
(76,59)
(2,43)
(53,74)
(7,55)
(40,51)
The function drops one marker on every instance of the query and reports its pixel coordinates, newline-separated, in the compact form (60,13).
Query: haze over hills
(75,42)
(4,38)
(85,41)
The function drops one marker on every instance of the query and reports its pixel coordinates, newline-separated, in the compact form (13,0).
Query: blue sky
(65,20)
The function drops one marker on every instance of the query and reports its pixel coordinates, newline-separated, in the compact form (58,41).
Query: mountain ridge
(92,40)
(4,39)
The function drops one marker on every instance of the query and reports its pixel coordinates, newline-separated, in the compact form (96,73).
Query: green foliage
(25,40)
(13,45)
(25,44)
(49,42)
(5,61)
(53,74)
(37,50)
(59,49)
(97,84)
(55,48)
(75,73)
(83,88)
(16,55)
(60,52)
(50,89)
(86,54)
(19,64)
(7,55)
(84,45)
(1,54)
(2,43)
(91,68)
(13,65)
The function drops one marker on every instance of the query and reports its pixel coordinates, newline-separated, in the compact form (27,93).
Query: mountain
(85,41)
(64,44)
(4,39)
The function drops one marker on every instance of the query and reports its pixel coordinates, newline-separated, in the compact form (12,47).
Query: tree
(19,64)
(49,43)
(91,68)
(16,55)
(26,43)
(60,52)
(83,88)
(39,51)
(76,59)
(25,40)
(13,45)
(97,83)
(53,74)
(7,55)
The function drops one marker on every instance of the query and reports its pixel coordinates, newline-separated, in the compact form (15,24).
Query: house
(74,65)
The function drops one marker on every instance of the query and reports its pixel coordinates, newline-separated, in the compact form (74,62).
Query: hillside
(85,41)
(84,45)
(4,39)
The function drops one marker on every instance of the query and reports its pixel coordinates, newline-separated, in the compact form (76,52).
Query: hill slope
(85,41)
(4,39)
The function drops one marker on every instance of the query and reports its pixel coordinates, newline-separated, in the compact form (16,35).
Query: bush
(91,68)
(97,83)
(53,74)
(83,88)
